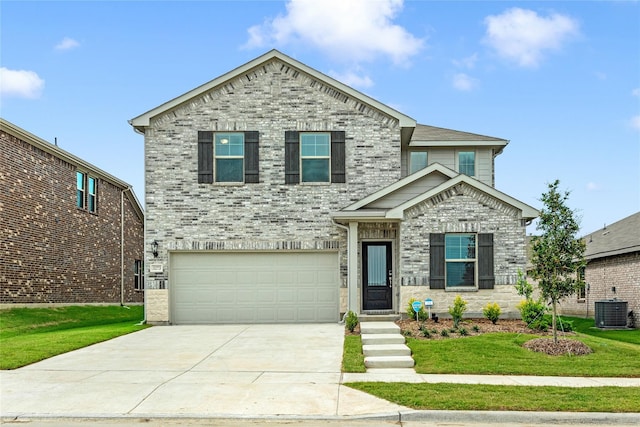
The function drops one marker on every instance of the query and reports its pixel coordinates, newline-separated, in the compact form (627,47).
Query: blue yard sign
(417,305)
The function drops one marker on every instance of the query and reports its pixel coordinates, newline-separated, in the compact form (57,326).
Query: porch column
(352,250)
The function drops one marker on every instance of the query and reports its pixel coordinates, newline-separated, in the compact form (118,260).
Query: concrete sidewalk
(266,372)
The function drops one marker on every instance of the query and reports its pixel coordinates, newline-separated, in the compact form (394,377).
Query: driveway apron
(199,371)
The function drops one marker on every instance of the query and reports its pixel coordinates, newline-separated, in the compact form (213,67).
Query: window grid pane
(467,163)
(229,157)
(315,155)
(460,255)
(417,160)
(80,189)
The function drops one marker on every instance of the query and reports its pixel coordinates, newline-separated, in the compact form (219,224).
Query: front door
(377,276)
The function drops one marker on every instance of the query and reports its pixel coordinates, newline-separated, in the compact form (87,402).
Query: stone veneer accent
(462,209)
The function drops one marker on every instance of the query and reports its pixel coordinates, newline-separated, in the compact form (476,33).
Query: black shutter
(486,277)
(436,261)
(251,157)
(291,157)
(337,156)
(205,157)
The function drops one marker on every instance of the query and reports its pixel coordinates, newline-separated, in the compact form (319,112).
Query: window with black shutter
(461,261)
(314,157)
(228,157)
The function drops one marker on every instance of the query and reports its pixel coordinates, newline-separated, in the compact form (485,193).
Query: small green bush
(533,313)
(351,320)
(458,309)
(463,332)
(422,314)
(476,328)
(492,312)
(564,325)
(444,333)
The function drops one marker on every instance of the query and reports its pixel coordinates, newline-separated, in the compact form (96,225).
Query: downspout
(122,245)
(345,228)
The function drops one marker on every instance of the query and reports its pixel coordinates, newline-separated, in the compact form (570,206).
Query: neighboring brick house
(612,270)
(70,233)
(275,193)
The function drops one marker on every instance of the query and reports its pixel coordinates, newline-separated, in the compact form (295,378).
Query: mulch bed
(473,327)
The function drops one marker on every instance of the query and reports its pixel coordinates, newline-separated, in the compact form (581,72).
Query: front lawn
(587,327)
(28,335)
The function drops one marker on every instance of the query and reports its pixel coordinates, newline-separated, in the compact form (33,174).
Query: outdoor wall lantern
(154,248)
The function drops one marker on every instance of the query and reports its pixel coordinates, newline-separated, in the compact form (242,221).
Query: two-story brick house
(70,233)
(275,193)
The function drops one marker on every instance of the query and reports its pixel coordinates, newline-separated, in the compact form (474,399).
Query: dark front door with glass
(377,276)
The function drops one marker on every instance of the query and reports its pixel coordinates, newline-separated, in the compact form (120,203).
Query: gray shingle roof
(432,133)
(618,238)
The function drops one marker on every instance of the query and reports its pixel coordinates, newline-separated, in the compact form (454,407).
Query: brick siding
(52,251)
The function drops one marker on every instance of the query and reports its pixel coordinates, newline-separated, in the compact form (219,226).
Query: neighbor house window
(417,161)
(138,275)
(467,163)
(80,189)
(315,156)
(582,290)
(461,261)
(229,157)
(92,192)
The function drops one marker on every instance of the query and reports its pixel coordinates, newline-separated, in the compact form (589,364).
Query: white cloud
(67,43)
(463,82)
(525,37)
(353,30)
(468,62)
(351,78)
(636,91)
(20,83)
(635,122)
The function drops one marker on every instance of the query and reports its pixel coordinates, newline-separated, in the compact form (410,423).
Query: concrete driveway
(194,371)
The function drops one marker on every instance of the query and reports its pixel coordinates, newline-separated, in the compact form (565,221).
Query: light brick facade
(273,97)
(53,252)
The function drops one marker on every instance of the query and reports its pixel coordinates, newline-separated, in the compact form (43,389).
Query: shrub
(422,314)
(565,325)
(463,332)
(476,328)
(444,333)
(533,313)
(351,320)
(458,309)
(492,312)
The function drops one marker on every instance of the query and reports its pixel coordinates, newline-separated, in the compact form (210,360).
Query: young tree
(557,252)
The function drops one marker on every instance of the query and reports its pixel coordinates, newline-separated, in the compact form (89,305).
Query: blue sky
(559,80)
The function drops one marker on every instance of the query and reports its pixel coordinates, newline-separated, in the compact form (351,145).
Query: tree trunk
(553,323)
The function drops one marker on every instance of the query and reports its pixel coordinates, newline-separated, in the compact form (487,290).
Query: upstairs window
(80,190)
(417,161)
(229,157)
(467,163)
(86,192)
(92,194)
(234,157)
(314,157)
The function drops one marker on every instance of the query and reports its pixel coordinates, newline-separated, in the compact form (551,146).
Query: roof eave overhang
(142,121)
(467,143)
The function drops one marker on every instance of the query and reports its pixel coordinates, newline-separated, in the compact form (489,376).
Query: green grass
(473,397)
(28,335)
(503,354)
(587,327)
(353,359)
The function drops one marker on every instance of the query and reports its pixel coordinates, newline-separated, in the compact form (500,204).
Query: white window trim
(475,265)
(302,157)
(216,157)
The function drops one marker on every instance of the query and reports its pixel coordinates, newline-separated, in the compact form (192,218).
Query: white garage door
(254,287)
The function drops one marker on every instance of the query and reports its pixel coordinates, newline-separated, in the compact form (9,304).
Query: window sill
(229,184)
(461,289)
(316,184)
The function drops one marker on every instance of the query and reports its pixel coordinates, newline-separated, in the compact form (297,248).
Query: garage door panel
(254,287)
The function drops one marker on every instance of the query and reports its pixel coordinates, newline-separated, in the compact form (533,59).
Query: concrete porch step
(380,339)
(379,328)
(386,350)
(388,362)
